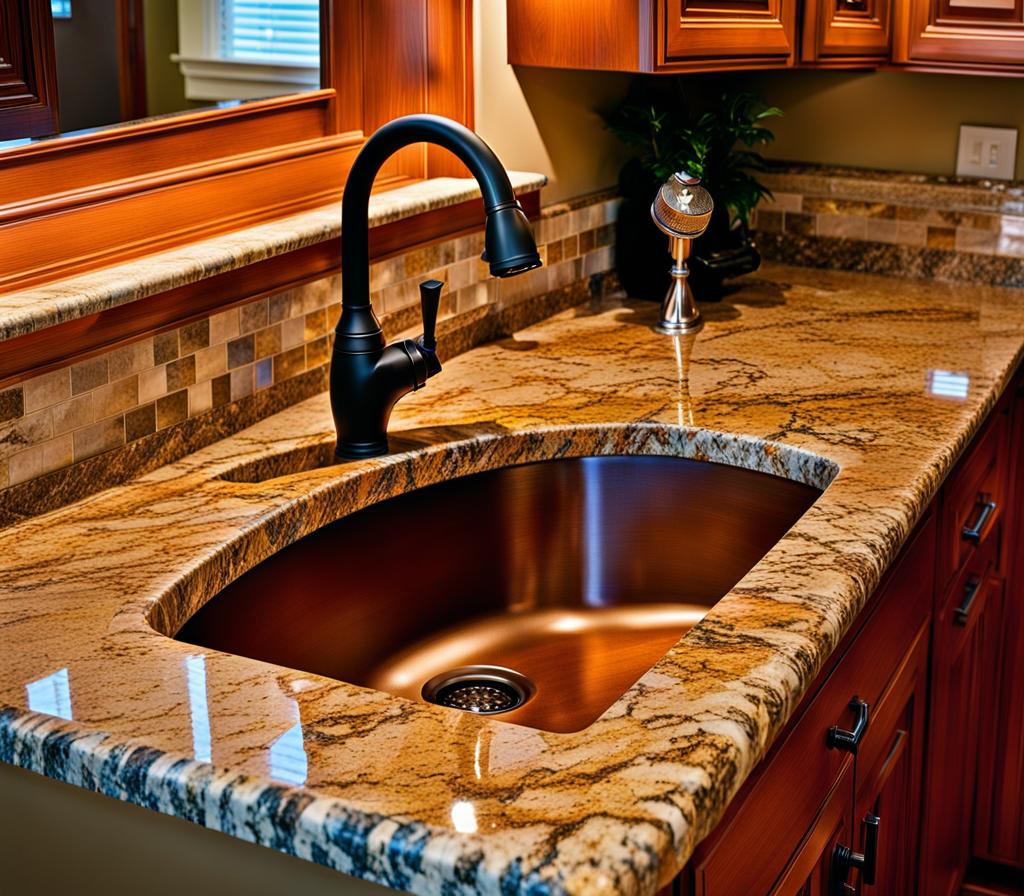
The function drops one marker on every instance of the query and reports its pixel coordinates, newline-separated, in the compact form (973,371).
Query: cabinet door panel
(845,31)
(758,32)
(962,32)
(28,70)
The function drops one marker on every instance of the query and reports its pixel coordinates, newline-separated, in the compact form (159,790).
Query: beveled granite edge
(829,364)
(38,307)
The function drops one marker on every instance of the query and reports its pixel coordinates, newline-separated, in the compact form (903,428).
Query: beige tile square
(98,437)
(293,332)
(223,326)
(73,414)
(385,273)
(211,362)
(783,202)
(981,242)
(200,398)
(129,359)
(911,233)
(25,465)
(152,384)
(47,390)
(319,294)
(849,227)
(58,453)
(242,382)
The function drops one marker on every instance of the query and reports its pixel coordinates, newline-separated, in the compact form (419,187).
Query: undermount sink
(542,591)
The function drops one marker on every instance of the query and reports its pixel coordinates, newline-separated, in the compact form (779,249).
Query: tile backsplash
(89,424)
(940,228)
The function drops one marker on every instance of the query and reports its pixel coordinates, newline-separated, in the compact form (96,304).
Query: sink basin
(576,575)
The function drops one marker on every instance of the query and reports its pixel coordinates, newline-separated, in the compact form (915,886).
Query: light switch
(987,152)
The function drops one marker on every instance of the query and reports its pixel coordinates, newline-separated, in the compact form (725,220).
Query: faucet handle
(430,301)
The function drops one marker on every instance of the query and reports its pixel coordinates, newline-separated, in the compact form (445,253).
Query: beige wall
(898,121)
(165,87)
(544,119)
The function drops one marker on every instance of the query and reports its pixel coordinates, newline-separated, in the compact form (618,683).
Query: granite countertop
(829,378)
(38,307)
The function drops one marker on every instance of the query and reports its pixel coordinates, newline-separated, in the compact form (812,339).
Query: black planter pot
(641,250)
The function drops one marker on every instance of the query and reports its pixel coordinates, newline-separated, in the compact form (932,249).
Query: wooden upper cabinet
(845,33)
(653,35)
(28,70)
(983,35)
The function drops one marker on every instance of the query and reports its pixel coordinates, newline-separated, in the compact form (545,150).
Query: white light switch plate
(986,152)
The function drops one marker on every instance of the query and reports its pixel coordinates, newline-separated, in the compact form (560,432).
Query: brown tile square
(279,307)
(4,474)
(21,432)
(318,352)
(165,347)
(316,324)
(12,404)
(268,341)
(586,241)
(181,373)
(101,436)
(289,363)
(798,223)
(570,247)
(130,359)
(221,390)
(88,375)
(241,351)
(194,336)
(768,221)
(74,414)
(911,213)
(140,422)
(555,252)
(116,397)
(941,238)
(253,316)
(171,409)
(604,235)
(46,390)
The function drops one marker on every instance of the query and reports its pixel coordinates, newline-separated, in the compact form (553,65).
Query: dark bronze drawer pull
(841,739)
(973,532)
(971,589)
(844,858)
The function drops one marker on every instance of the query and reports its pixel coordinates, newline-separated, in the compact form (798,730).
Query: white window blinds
(286,32)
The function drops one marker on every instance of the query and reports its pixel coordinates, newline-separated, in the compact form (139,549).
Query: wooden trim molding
(78,203)
(36,353)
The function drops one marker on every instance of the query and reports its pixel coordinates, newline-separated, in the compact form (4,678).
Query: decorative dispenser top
(682,207)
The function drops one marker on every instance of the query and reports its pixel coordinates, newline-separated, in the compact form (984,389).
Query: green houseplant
(715,142)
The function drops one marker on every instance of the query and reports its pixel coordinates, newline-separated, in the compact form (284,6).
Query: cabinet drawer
(752,846)
(974,499)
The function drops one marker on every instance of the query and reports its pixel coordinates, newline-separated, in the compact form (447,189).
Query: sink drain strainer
(485,690)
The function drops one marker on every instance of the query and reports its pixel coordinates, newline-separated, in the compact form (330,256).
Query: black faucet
(367,376)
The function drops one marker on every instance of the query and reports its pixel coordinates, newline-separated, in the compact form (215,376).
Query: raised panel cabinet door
(845,32)
(888,808)
(28,70)
(813,871)
(966,647)
(726,33)
(961,33)
(999,810)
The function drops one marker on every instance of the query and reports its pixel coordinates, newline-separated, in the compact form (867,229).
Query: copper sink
(578,575)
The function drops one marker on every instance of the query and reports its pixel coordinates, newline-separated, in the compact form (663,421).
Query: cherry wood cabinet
(845,33)
(28,70)
(653,35)
(975,35)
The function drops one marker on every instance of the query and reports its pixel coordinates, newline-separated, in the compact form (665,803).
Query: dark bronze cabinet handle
(963,612)
(973,532)
(841,739)
(844,858)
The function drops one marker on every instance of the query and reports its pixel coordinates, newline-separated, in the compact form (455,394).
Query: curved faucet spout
(363,390)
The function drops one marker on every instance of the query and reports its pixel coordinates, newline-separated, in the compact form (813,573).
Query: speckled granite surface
(43,306)
(804,373)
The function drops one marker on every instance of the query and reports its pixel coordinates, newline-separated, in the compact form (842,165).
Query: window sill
(232,79)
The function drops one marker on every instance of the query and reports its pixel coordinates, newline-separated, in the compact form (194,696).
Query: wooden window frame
(82,202)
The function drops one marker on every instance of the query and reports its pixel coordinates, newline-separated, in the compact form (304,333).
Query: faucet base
(360,450)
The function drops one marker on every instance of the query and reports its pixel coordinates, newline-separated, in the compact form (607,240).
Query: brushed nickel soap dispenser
(682,210)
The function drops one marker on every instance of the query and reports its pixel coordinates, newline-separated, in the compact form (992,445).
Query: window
(281,31)
(61,9)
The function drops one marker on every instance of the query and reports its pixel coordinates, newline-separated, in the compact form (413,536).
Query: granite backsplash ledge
(89,425)
(942,228)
